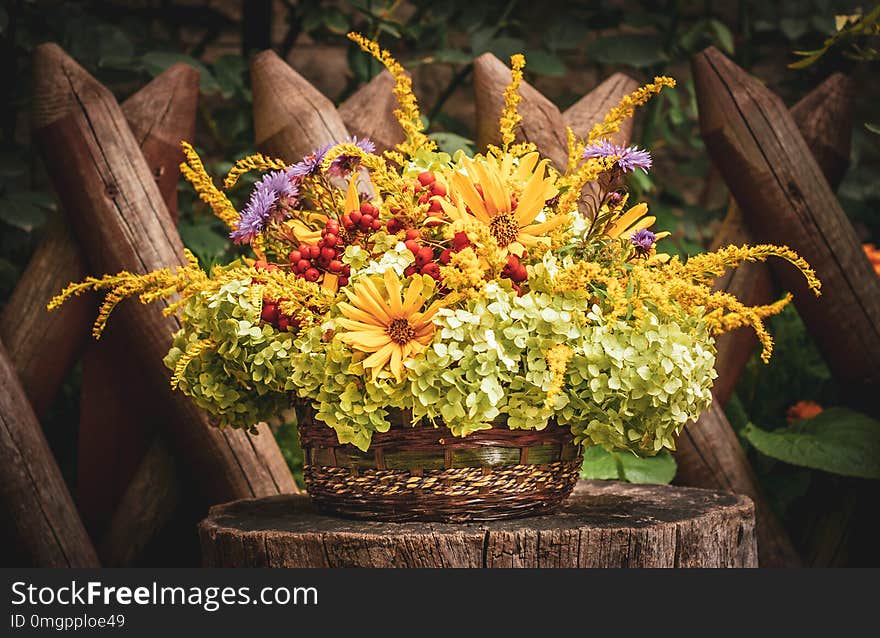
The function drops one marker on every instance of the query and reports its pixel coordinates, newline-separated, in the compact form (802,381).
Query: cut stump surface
(604,524)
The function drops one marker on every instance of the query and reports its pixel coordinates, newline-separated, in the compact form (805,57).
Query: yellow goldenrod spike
(510,116)
(193,350)
(256,162)
(193,170)
(408,114)
(625,108)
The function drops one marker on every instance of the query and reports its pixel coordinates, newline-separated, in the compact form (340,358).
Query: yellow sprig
(255,162)
(510,117)
(193,350)
(408,114)
(626,107)
(194,171)
(557,359)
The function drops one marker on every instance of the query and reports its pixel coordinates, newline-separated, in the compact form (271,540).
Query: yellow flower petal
(392,287)
(366,341)
(378,359)
(623,222)
(353,312)
(397,363)
(352,201)
(414,298)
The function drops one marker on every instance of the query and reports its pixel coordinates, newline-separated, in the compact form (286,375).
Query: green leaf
(155,62)
(623,466)
(336,21)
(204,238)
(599,464)
(874,128)
(722,34)
(453,56)
(544,63)
(25,209)
(650,469)
(838,440)
(635,49)
(450,143)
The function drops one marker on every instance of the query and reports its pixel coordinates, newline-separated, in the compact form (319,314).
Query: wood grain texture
(709,455)
(825,119)
(756,145)
(542,123)
(33,494)
(119,217)
(146,507)
(291,117)
(369,112)
(44,346)
(604,524)
(592,107)
(115,424)
(160,115)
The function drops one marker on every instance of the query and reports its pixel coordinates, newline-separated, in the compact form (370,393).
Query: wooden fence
(115,170)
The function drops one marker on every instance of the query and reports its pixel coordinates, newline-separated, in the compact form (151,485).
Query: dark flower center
(504,228)
(400,331)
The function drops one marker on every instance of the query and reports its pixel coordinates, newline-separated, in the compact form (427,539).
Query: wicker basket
(428,474)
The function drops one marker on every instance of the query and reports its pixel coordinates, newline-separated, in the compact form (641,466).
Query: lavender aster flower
(310,165)
(346,163)
(631,157)
(273,193)
(643,240)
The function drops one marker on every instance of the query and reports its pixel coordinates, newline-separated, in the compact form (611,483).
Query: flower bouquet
(451,330)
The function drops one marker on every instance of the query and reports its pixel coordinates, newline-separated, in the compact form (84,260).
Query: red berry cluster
(365,220)
(310,261)
(425,263)
(271,312)
(430,192)
(427,190)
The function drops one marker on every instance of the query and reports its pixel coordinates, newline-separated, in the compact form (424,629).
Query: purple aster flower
(346,163)
(643,240)
(631,157)
(310,165)
(270,197)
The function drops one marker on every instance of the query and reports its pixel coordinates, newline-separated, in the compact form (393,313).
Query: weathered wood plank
(770,170)
(44,346)
(119,217)
(709,455)
(291,117)
(144,509)
(113,437)
(369,112)
(542,123)
(825,119)
(605,524)
(592,107)
(46,525)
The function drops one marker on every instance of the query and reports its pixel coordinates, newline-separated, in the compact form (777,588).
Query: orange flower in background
(803,410)
(873,256)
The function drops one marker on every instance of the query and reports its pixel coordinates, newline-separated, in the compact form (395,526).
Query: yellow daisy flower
(632,221)
(510,197)
(388,321)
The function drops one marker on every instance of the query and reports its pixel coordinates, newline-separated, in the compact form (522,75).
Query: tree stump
(604,524)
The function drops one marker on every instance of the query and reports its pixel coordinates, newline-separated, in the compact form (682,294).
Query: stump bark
(604,524)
